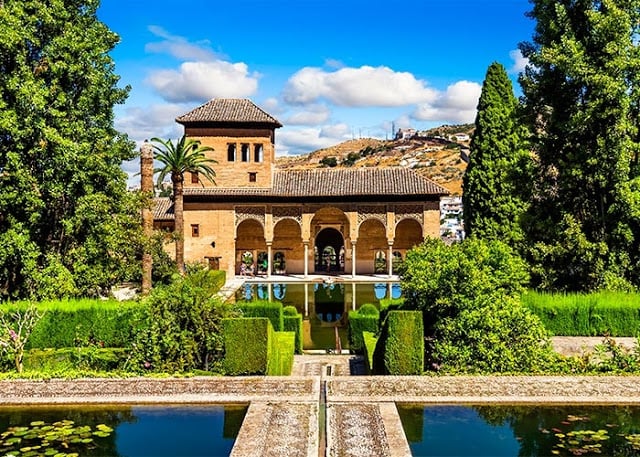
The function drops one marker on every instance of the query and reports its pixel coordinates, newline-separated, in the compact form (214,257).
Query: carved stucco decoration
(409,212)
(286,212)
(244,213)
(372,212)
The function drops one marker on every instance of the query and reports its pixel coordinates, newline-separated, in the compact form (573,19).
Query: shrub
(364,319)
(292,322)
(280,358)
(87,358)
(181,328)
(246,344)
(400,348)
(390,304)
(82,322)
(264,308)
(370,342)
(473,318)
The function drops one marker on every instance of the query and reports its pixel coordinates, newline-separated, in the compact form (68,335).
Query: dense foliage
(68,226)
(582,99)
(182,327)
(473,317)
(494,181)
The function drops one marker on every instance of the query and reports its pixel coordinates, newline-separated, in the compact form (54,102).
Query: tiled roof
(163,209)
(354,181)
(228,110)
(392,181)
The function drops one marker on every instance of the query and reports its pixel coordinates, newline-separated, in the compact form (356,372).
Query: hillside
(432,156)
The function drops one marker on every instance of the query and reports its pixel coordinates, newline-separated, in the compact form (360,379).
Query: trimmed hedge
(390,304)
(246,343)
(92,359)
(252,347)
(595,314)
(400,348)
(370,342)
(292,322)
(264,308)
(280,360)
(72,323)
(365,319)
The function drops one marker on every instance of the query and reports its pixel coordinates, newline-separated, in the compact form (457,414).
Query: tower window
(245,152)
(258,153)
(253,176)
(195,230)
(194,177)
(231,152)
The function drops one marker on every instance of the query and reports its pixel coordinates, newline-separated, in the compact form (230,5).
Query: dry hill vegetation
(430,155)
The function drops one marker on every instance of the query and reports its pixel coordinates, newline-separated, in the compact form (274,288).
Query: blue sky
(329,70)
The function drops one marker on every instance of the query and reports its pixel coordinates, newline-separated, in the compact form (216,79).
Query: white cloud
(151,121)
(202,81)
(178,47)
(354,87)
(312,115)
(337,132)
(519,61)
(457,104)
(294,141)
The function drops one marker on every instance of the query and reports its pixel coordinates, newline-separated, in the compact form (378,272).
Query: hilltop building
(259,219)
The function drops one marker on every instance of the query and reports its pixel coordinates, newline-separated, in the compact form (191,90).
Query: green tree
(64,206)
(582,98)
(493,198)
(181,329)
(470,299)
(329,161)
(186,155)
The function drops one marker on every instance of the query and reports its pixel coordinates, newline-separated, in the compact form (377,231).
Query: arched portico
(329,229)
(288,253)
(329,251)
(249,239)
(372,238)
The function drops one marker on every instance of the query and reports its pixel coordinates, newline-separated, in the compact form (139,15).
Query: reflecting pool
(185,430)
(324,305)
(447,430)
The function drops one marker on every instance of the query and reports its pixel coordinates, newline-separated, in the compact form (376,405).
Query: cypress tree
(492,190)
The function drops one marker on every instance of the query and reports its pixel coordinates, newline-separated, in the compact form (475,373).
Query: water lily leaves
(59,439)
(104,428)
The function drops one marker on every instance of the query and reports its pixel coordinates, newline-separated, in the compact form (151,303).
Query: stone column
(390,259)
(146,186)
(306,258)
(353,258)
(269,260)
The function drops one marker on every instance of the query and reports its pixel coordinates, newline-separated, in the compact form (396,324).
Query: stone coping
(604,389)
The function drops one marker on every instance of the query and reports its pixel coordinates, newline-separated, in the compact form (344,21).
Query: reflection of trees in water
(535,427)
(23,416)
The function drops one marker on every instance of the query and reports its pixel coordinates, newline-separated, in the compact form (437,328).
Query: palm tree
(186,155)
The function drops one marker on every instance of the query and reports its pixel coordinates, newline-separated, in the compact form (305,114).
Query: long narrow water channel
(324,306)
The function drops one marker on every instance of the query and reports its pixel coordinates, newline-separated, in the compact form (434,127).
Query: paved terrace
(323,409)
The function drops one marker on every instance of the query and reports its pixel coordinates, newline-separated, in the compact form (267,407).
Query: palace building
(259,219)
